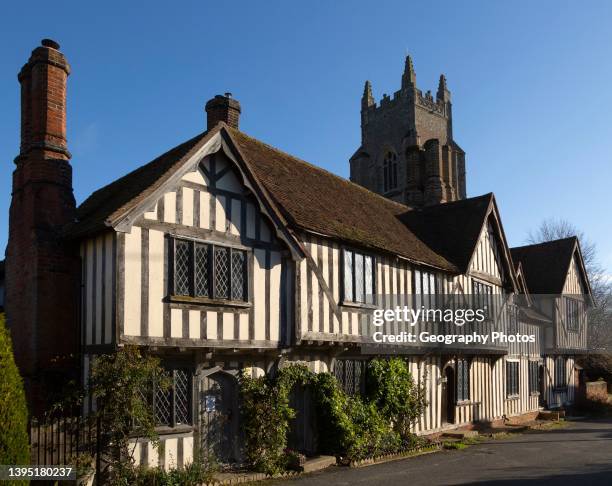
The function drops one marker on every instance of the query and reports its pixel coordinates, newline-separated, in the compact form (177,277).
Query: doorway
(541,387)
(448,395)
(302,435)
(219,415)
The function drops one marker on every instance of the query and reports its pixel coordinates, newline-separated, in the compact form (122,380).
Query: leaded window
(512,378)
(560,372)
(202,270)
(483,297)
(238,274)
(359,278)
(181,269)
(534,377)
(172,406)
(572,314)
(513,317)
(207,270)
(222,272)
(425,288)
(463,380)
(350,374)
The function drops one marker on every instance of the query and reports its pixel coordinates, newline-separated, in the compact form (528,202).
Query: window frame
(352,300)
(173,423)
(560,373)
(212,296)
(357,386)
(513,318)
(533,371)
(572,319)
(479,297)
(462,374)
(426,300)
(513,380)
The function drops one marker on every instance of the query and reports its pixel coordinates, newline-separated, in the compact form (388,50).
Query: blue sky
(530,83)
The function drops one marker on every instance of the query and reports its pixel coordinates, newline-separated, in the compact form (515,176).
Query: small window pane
(201,271)
(163,406)
(222,273)
(181,269)
(369,280)
(417,289)
(348,276)
(238,274)
(359,283)
(181,396)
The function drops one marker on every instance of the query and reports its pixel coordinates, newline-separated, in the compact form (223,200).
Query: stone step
(460,434)
(318,463)
(551,414)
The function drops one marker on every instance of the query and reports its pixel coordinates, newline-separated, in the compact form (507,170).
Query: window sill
(185,299)
(462,403)
(513,397)
(534,394)
(179,429)
(358,305)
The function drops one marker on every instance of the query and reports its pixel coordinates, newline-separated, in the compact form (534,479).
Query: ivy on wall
(348,426)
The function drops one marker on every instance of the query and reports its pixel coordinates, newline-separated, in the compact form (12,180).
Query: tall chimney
(41,268)
(223,108)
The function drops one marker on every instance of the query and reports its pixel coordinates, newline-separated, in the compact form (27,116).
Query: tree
(14,446)
(600,315)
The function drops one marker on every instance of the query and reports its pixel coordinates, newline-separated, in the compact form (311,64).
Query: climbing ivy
(391,387)
(348,426)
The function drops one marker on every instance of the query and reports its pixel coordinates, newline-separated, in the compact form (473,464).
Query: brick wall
(41,266)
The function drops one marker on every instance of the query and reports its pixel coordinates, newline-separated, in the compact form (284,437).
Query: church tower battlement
(407,150)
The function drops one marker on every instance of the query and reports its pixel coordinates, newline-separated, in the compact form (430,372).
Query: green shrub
(397,396)
(121,383)
(193,474)
(348,426)
(14,446)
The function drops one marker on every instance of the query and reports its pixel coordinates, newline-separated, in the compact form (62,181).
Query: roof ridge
(544,243)
(318,168)
(148,164)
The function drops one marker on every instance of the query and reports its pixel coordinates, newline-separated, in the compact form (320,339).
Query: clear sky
(530,83)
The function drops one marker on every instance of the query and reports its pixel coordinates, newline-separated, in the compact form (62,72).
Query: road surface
(580,453)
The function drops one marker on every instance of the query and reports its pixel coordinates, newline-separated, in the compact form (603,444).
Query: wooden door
(219,417)
(448,395)
(302,428)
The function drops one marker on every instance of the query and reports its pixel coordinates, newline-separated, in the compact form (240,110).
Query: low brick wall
(523,419)
(597,390)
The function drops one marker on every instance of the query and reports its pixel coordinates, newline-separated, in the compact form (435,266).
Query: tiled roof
(122,194)
(545,265)
(451,229)
(317,200)
(311,199)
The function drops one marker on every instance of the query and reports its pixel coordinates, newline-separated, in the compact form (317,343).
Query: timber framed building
(225,253)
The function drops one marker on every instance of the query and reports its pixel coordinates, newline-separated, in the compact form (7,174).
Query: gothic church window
(390,171)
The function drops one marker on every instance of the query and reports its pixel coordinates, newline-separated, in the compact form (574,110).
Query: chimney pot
(50,43)
(223,108)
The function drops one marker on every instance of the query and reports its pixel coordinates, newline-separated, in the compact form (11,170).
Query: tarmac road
(580,453)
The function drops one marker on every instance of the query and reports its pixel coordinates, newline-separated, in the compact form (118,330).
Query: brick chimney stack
(41,284)
(223,109)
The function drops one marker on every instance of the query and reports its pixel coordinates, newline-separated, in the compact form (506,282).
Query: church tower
(407,150)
